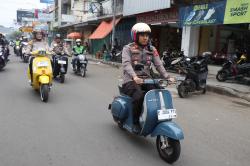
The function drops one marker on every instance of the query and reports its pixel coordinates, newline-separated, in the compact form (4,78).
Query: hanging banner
(204,14)
(237,12)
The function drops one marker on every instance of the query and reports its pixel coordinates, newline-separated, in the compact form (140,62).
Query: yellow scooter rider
(40,69)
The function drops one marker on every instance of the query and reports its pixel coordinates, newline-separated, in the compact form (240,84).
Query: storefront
(165,30)
(220,27)
(101,37)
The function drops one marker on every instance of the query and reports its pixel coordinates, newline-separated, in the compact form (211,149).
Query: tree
(14,35)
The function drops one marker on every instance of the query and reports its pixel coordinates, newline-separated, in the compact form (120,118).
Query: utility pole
(114,20)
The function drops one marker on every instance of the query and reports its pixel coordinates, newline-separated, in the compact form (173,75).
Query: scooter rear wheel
(221,76)
(170,150)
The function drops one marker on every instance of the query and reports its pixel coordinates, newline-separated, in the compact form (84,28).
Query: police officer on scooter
(139,52)
(58,51)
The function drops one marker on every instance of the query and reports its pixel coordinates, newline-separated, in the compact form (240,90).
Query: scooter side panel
(169,129)
(120,107)
(152,104)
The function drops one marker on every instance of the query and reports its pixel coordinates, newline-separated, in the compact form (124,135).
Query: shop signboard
(237,12)
(69,18)
(27,29)
(41,26)
(44,17)
(203,14)
(162,16)
(24,14)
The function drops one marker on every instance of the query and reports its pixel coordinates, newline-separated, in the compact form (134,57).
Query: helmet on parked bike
(139,28)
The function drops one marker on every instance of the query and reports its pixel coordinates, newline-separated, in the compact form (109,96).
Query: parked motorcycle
(42,74)
(233,69)
(171,59)
(195,75)
(155,120)
(116,55)
(60,66)
(81,65)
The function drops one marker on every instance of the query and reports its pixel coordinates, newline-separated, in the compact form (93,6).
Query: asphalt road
(75,128)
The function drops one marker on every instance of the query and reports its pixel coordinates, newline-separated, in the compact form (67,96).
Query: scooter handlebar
(161,82)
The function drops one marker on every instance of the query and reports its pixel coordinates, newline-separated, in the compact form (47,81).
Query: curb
(212,88)
(228,92)
(112,64)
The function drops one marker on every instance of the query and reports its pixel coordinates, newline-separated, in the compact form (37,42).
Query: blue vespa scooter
(155,120)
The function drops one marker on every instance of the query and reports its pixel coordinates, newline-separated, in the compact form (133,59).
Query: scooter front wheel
(168,148)
(182,91)
(62,78)
(44,92)
(83,72)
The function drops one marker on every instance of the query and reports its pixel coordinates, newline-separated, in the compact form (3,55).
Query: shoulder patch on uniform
(155,52)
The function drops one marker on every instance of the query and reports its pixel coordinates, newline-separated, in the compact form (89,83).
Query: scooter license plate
(180,78)
(43,64)
(62,62)
(166,114)
(83,62)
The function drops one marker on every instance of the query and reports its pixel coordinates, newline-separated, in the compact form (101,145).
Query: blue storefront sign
(47,1)
(204,14)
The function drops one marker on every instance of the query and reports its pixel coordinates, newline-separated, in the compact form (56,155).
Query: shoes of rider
(136,128)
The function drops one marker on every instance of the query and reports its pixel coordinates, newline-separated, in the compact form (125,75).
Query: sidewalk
(225,88)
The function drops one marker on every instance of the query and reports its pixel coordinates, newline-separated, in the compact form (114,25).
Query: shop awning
(74,35)
(103,29)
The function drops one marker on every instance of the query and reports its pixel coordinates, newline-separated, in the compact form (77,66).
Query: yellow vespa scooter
(42,73)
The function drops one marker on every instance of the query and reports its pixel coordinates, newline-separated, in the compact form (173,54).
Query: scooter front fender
(44,79)
(169,129)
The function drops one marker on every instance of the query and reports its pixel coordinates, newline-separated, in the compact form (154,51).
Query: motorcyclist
(37,43)
(4,43)
(139,52)
(77,50)
(58,49)
(57,46)
(17,43)
(24,40)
